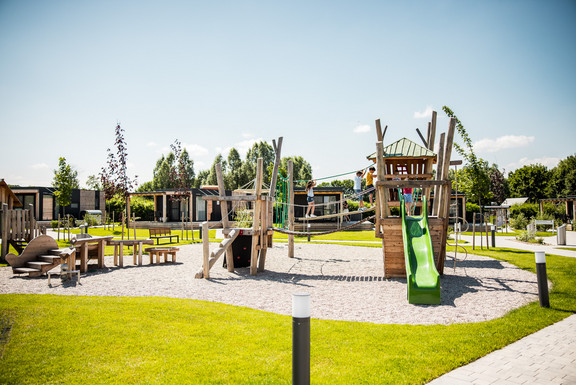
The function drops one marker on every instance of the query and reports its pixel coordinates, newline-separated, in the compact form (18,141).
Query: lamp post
(540,257)
(301,339)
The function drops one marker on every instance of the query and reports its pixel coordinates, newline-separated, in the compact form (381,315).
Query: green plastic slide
(422,277)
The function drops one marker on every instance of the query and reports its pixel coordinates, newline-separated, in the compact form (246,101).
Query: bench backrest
(159,231)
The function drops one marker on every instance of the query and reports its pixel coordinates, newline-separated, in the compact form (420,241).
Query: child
(370,183)
(407,192)
(345,218)
(358,189)
(310,198)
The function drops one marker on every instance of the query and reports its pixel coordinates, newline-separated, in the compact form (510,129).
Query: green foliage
(476,181)
(530,181)
(499,188)
(243,218)
(93,182)
(65,180)
(564,178)
(92,220)
(142,208)
(529,210)
(519,222)
(525,236)
(302,169)
(54,224)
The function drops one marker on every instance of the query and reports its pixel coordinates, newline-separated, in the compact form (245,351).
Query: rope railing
(288,232)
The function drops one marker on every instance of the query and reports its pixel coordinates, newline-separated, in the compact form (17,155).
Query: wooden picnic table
(84,244)
(136,243)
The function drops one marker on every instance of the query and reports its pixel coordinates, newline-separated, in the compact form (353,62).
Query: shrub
(54,224)
(525,236)
(92,220)
(471,208)
(520,222)
(530,210)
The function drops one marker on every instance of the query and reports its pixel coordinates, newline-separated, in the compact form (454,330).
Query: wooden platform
(393,245)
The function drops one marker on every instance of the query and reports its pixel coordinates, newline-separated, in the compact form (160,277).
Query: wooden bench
(159,251)
(162,232)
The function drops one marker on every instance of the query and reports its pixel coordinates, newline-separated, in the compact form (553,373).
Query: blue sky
(224,74)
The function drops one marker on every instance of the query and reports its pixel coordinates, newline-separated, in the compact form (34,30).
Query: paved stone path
(545,357)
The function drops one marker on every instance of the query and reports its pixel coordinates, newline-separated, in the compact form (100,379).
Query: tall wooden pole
(432,132)
(274,179)
(224,212)
(256,218)
(290,207)
(439,168)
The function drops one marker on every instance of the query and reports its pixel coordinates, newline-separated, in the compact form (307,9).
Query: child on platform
(310,198)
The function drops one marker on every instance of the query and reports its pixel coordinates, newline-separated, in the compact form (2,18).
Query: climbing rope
(289,232)
(334,176)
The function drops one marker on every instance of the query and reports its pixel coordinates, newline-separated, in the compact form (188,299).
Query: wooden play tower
(405,164)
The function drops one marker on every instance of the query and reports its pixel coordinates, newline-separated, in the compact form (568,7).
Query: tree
(260,150)
(65,180)
(530,181)
(236,176)
(114,177)
(498,184)
(563,181)
(93,182)
(302,169)
(475,172)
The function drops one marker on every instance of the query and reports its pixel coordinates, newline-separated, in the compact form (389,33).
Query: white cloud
(195,150)
(246,135)
(362,129)
(40,166)
(427,114)
(151,144)
(549,162)
(502,143)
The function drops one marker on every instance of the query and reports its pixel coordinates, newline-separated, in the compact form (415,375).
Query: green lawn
(70,339)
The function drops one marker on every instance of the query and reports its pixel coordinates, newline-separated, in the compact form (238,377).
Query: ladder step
(49,258)
(25,270)
(38,264)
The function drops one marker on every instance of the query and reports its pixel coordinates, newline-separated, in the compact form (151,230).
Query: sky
(221,74)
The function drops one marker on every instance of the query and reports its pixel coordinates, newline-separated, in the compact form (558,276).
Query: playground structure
(416,169)
(18,228)
(262,220)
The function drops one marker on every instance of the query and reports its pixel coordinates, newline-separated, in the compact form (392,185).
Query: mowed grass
(106,340)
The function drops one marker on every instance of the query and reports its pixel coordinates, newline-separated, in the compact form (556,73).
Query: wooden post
(428,133)
(224,213)
(448,152)
(439,176)
(164,218)
(381,192)
(274,179)
(5,231)
(432,132)
(191,213)
(474,231)
(256,218)
(290,207)
(206,250)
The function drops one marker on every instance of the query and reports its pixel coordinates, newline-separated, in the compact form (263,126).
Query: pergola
(566,201)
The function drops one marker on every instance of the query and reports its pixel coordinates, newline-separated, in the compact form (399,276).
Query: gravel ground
(344,282)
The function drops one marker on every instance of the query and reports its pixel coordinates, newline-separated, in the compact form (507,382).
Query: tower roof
(404,148)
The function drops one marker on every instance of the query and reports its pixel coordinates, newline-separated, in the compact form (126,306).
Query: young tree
(260,150)
(530,181)
(65,180)
(114,177)
(236,176)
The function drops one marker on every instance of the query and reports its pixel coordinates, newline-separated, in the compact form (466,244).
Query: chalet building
(44,203)
(172,205)
(8,197)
